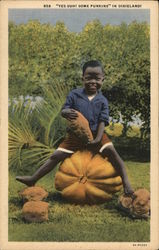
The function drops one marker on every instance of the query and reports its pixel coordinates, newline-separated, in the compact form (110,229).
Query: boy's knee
(109,151)
(59,155)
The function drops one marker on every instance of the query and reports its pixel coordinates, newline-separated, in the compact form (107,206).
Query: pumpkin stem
(83,179)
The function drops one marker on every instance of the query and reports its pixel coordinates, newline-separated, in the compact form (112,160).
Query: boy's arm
(103,121)
(104,114)
(99,134)
(67,110)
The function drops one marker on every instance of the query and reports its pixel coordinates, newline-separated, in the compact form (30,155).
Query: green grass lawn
(74,223)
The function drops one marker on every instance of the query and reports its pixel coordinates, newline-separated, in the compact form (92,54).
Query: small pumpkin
(86,178)
(80,127)
(35,211)
(34,193)
(137,206)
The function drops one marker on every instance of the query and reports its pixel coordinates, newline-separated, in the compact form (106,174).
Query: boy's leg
(55,158)
(110,152)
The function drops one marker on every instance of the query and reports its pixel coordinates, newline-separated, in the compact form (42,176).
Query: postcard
(99,58)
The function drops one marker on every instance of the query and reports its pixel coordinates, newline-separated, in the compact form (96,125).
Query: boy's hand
(95,142)
(99,135)
(69,114)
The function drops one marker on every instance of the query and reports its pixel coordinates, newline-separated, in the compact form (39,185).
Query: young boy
(94,106)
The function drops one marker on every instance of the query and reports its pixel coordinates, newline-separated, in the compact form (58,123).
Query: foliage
(132,148)
(128,88)
(114,129)
(134,131)
(76,223)
(32,131)
(39,53)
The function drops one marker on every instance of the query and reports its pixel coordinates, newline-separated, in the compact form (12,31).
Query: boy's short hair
(92,63)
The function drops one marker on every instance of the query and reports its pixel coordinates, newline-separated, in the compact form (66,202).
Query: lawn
(74,223)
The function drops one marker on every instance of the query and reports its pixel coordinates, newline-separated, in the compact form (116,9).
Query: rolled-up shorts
(72,143)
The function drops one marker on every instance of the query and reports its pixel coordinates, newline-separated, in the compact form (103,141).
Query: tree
(128,88)
(41,54)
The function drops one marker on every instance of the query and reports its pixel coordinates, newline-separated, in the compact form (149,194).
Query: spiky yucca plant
(32,134)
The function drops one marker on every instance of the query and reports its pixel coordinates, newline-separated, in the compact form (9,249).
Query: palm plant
(32,130)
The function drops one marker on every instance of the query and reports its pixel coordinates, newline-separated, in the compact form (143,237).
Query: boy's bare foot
(27,180)
(128,190)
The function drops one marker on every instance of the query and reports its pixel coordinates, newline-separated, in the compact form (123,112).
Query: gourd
(80,127)
(137,206)
(85,178)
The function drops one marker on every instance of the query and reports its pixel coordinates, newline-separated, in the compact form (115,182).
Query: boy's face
(93,79)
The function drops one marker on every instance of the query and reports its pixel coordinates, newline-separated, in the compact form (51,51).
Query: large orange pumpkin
(84,178)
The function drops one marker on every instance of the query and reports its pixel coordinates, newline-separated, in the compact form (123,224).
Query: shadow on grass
(16,202)
(56,197)
(111,205)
